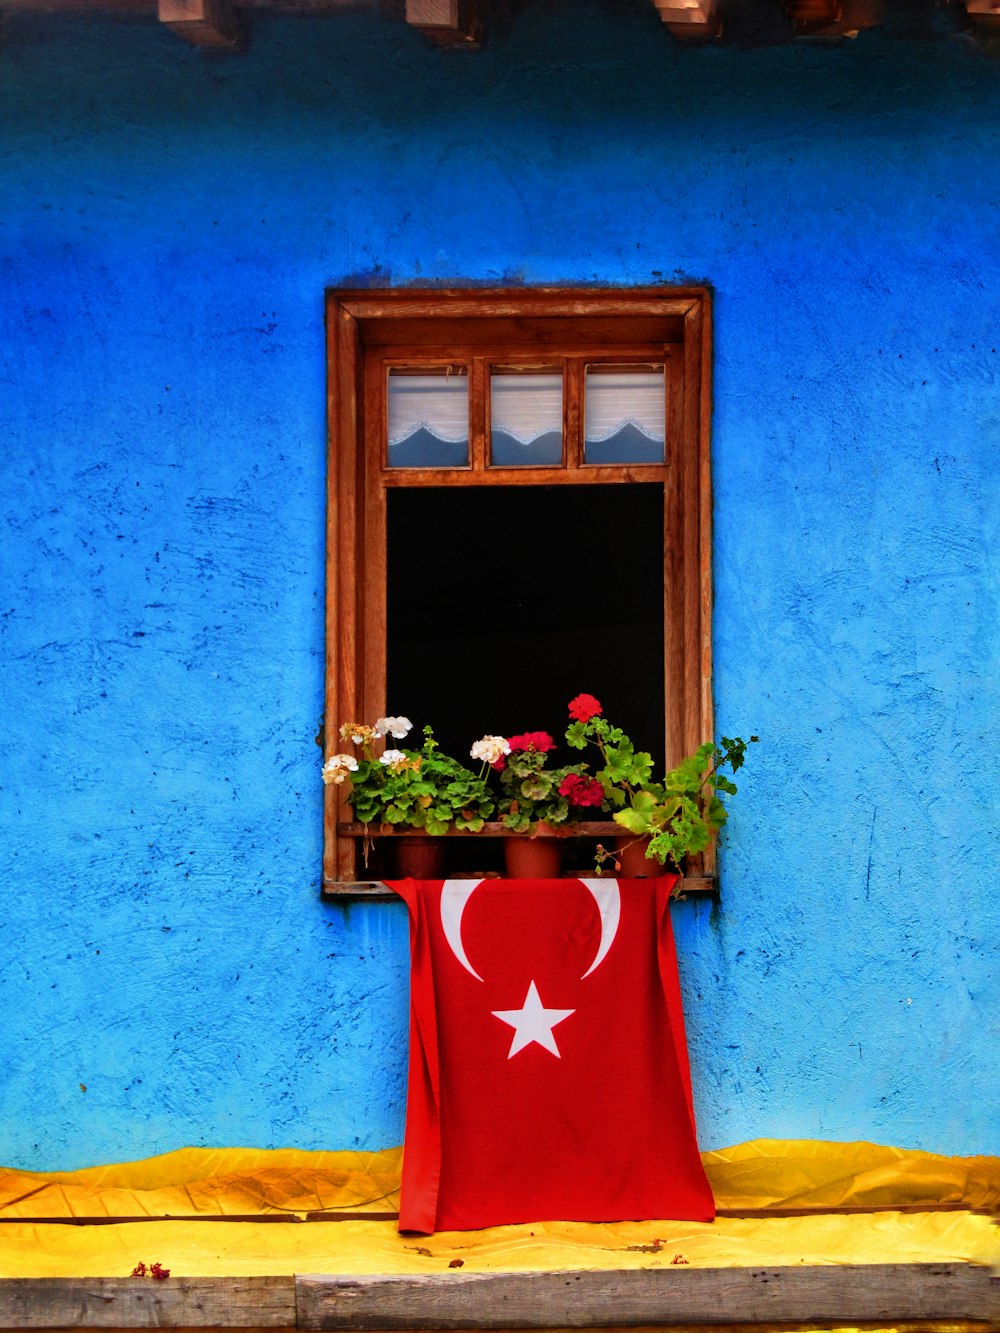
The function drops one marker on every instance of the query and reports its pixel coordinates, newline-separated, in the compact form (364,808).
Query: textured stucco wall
(168,223)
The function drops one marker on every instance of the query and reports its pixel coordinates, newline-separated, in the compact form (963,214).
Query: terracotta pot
(419,856)
(630,853)
(537,857)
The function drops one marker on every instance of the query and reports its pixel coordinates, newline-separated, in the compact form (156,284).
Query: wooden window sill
(376,889)
(593,828)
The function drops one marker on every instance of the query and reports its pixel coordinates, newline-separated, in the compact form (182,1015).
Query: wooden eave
(464,24)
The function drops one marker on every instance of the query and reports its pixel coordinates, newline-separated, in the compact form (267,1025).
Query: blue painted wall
(168,225)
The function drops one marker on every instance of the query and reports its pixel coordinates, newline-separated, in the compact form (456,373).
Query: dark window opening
(505,602)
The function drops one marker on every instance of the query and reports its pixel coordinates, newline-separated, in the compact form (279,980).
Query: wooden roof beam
(450,23)
(808,15)
(208,23)
(689,19)
(832,18)
(986,12)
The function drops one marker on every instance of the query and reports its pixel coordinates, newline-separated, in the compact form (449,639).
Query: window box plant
(425,793)
(422,791)
(541,802)
(669,820)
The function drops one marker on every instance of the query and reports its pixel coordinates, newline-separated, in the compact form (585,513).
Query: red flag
(548,1066)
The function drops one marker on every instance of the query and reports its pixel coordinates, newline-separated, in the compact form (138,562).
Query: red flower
(531,740)
(154,1270)
(583,708)
(581,790)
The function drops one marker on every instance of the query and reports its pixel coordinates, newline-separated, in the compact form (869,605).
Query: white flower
(490,749)
(397,727)
(358,732)
(337,767)
(392,757)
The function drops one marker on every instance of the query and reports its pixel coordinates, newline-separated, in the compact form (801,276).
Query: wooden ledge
(830,1295)
(376,890)
(587,828)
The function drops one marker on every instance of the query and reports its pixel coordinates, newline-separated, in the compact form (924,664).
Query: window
(518,509)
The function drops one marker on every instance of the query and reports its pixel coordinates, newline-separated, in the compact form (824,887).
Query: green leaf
(516,822)
(576,735)
(644,803)
(633,820)
(716,813)
(690,772)
(557,812)
(697,839)
(473,824)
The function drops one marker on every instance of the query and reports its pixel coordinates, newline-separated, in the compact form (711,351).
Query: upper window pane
(429,418)
(526,416)
(624,414)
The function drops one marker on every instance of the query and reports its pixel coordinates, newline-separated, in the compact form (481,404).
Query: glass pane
(624,414)
(526,419)
(429,418)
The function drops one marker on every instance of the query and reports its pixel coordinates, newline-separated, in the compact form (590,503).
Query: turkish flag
(548,1071)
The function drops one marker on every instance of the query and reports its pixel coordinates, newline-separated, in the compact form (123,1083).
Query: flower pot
(419,856)
(630,853)
(532,857)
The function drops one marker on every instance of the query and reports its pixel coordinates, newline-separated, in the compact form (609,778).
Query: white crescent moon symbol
(455,893)
(609,904)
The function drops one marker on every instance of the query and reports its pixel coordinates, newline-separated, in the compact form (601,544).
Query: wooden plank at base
(837,1294)
(139,1303)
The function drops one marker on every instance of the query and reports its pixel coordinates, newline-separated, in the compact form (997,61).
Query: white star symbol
(532,1022)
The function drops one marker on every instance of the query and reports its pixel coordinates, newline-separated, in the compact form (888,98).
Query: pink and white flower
(490,749)
(396,727)
(338,768)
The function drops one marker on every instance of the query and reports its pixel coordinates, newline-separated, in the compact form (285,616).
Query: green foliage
(682,814)
(625,769)
(431,792)
(425,790)
(531,791)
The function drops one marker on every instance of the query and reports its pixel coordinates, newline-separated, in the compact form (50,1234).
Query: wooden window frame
(368,329)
